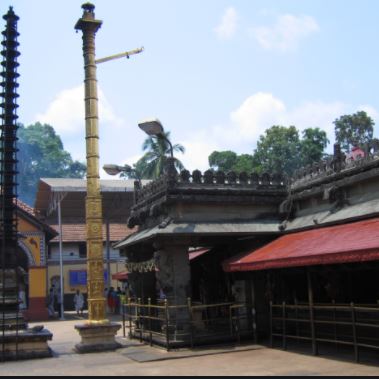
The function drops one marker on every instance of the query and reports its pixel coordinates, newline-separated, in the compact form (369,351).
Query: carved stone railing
(329,168)
(334,165)
(208,179)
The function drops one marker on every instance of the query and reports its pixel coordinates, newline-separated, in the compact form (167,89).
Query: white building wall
(71,252)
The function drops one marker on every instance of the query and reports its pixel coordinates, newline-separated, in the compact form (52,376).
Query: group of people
(115,298)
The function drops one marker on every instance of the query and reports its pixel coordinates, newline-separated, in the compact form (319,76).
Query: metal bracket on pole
(127,55)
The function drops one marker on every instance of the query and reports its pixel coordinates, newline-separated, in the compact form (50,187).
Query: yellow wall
(25,226)
(37,280)
(32,242)
(55,271)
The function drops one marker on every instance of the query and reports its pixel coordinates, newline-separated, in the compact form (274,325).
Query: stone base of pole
(98,337)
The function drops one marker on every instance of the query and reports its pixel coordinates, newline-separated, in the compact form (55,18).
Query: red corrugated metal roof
(120,276)
(355,242)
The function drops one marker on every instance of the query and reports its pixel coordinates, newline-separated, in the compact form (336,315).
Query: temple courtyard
(139,360)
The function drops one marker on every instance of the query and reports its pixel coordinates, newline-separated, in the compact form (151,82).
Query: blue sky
(216,73)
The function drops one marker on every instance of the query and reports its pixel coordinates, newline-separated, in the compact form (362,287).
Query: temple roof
(175,230)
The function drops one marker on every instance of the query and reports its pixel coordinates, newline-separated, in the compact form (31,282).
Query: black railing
(187,325)
(355,326)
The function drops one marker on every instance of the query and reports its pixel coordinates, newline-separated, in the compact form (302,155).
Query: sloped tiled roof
(77,232)
(26,208)
(33,216)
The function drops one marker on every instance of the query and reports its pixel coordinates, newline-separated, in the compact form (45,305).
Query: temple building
(300,253)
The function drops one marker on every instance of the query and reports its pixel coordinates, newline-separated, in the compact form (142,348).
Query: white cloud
(262,110)
(286,34)
(257,114)
(66,112)
(228,25)
(197,152)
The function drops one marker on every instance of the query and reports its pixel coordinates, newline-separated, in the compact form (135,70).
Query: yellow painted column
(37,310)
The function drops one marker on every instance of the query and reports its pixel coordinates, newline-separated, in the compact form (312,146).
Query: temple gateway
(280,260)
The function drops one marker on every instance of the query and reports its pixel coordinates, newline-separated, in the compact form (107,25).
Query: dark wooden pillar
(311,312)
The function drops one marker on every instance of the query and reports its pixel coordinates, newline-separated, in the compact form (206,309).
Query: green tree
(223,160)
(313,145)
(229,161)
(278,150)
(135,172)
(354,130)
(157,150)
(41,155)
(245,163)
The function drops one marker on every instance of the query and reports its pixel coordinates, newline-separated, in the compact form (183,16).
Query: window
(82,250)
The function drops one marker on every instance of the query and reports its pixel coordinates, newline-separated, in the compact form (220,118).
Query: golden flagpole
(95,260)
(98,334)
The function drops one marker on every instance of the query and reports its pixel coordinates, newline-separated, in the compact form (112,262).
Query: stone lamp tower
(98,334)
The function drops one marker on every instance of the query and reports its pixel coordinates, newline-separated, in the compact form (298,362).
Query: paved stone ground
(258,361)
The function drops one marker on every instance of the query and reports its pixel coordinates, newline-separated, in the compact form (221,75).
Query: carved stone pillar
(174,274)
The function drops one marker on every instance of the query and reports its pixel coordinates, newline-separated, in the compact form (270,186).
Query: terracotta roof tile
(26,208)
(77,232)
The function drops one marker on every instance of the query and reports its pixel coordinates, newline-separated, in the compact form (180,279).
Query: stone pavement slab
(142,360)
(144,353)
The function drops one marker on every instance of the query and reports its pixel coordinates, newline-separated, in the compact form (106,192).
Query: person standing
(111,300)
(22,299)
(79,303)
(50,303)
(118,301)
(58,296)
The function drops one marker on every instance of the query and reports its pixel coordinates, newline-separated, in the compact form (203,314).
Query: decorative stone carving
(220,177)
(196,177)
(208,177)
(232,177)
(254,177)
(243,178)
(265,179)
(185,176)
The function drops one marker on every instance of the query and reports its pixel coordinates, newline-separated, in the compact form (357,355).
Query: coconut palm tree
(157,150)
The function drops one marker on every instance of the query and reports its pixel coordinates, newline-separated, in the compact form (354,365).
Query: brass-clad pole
(95,261)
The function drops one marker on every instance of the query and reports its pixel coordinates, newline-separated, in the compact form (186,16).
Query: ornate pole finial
(88,11)
(11,16)
(88,7)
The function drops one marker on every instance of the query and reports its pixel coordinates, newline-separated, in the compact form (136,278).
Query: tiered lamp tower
(8,142)
(16,342)
(98,334)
